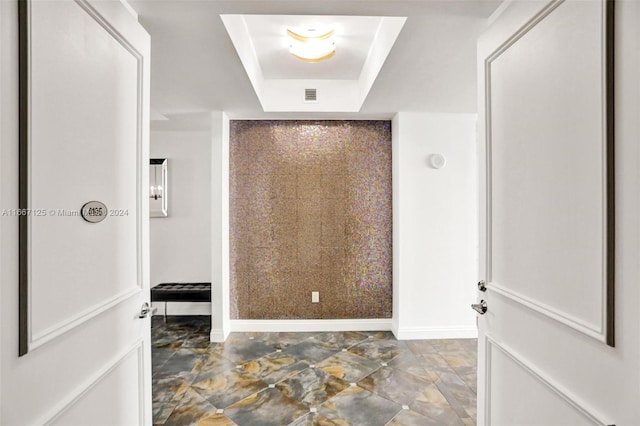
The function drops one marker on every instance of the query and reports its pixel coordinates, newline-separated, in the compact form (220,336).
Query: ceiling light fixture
(312,45)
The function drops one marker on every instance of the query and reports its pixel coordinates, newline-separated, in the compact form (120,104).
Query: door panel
(82,69)
(510,379)
(546,353)
(125,408)
(546,97)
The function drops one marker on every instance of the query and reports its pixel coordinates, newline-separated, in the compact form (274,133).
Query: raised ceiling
(339,84)
(196,69)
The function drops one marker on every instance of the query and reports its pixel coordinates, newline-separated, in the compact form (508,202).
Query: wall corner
(220,312)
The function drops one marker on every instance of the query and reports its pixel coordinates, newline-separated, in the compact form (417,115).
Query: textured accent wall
(310,210)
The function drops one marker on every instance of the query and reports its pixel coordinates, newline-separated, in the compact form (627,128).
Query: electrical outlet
(315,297)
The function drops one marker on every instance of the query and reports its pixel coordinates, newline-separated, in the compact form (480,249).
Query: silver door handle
(480,308)
(482,286)
(146,311)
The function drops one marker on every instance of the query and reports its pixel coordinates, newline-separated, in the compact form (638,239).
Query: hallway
(463,174)
(356,378)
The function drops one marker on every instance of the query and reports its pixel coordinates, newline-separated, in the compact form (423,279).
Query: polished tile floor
(336,378)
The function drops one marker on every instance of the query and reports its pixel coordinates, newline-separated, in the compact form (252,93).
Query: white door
(84,93)
(555,348)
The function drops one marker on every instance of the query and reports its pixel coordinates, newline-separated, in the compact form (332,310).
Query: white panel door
(85,353)
(547,353)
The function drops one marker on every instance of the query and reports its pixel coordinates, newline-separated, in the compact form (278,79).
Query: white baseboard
(426,333)
(183,308)
(218,335)
(383,324)
(395,326)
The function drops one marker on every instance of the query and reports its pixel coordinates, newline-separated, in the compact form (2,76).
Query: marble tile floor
(304,379)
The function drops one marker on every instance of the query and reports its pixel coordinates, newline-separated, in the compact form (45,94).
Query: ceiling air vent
(310,95)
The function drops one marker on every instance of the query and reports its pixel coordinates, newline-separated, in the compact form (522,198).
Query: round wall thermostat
(437,161)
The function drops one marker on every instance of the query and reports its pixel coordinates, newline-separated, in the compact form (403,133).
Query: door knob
(482,286)
(146,311)
(480,308)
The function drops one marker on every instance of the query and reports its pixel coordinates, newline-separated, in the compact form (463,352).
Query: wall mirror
(158,177)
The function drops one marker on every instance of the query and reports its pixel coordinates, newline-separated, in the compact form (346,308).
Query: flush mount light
(311,44)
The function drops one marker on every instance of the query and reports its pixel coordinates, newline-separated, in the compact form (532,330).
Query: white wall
(181,242)
(220,313)
(435,226)
(435,232)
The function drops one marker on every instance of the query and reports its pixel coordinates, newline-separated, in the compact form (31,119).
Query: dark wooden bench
(181,292)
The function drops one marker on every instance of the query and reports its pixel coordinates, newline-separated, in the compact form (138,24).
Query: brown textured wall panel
(310,210)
